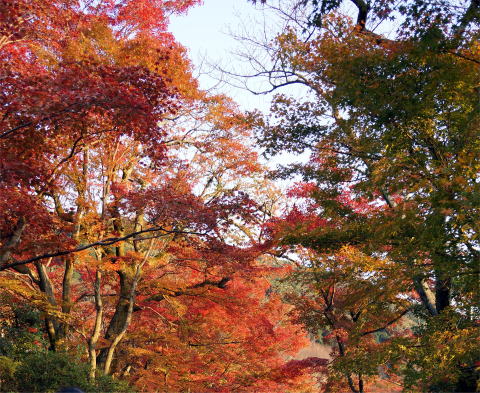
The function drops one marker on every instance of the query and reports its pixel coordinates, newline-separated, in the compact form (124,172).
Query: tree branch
(31,123)
(363,9)
(219,284)
(217,343)
(6,249)
(387,324)
(105,242)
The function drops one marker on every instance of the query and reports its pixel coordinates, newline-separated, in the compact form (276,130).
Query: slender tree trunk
(121,316)
(120,335)
(46,287)
(442,293)
(360,383)
(81,184)
(92,342)
(351,384)
(129,278)
(66,294)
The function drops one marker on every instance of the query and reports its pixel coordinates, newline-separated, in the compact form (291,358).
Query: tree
(362,306)
(392,126)
(130,208)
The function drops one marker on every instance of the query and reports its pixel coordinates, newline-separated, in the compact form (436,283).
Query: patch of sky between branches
(207,32)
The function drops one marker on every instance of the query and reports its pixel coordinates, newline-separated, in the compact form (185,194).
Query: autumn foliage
(130,212)
(384,220)
(145,247)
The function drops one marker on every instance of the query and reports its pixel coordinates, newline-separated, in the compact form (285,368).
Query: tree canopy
(144,245)
(392,127)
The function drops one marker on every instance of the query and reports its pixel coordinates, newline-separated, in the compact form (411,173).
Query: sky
(204,31)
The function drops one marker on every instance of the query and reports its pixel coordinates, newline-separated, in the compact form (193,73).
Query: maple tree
(345,301)
(131,210)
(136,234)
(392,124)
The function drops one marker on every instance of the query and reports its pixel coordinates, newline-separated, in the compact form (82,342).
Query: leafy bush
(49,372)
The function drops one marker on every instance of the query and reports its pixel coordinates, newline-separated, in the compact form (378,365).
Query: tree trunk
(46,287)
(121,315)
(124,310)
(442,293)
(426,295)
(92,342)
(13,241)
(67,294)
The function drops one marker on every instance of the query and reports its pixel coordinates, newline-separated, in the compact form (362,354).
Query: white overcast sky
(204,31)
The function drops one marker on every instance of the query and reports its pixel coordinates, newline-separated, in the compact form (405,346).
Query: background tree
(392,125)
